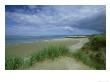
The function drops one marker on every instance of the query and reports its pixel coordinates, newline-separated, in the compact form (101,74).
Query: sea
(12,39)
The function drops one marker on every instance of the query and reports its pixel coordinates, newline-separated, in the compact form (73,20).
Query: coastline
(37,41)
(26,49)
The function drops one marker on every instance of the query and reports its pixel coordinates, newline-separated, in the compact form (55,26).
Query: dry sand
(26,49)
(61,63)
(64,63)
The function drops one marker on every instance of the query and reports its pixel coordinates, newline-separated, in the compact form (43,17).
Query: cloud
(97,23)
(53,18)
(70,29)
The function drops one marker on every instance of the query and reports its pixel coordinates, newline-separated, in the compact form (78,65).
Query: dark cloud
(55,19)
(97,23)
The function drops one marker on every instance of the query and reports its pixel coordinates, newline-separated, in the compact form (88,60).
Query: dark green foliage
(100,58)
(97,41)
(93,53)
(13,63)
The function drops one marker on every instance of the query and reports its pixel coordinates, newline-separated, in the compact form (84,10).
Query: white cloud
(70,29)
(64,16)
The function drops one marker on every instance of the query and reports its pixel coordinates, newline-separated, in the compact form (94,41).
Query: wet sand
(26,49)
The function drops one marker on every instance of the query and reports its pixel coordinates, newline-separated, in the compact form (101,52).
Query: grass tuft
(13,63)
(51,52)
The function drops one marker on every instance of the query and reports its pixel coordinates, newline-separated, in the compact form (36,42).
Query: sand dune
(64,63)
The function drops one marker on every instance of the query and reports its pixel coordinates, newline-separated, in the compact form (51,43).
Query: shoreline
(26,49)
(37,41)
(29,42)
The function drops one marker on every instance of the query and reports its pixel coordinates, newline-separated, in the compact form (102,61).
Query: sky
(37,20)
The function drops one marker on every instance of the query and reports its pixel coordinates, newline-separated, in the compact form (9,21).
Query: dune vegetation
(93,54)
(50,52)
(12,63)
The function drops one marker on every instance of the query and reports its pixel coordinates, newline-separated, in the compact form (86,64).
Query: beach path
(78,45)
(61,63)
(64,63)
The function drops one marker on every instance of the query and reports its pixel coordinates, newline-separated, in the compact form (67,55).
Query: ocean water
(29,39)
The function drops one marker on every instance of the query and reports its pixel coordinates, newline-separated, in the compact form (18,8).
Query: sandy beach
(48,37)
(27,49)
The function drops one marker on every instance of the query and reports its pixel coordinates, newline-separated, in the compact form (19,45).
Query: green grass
(86,59)
(13,63)
(93,53)
(51,52)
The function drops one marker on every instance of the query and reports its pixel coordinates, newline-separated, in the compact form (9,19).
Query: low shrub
(97,42)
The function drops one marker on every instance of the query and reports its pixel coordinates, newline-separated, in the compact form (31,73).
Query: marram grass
(13,63)
(51,52)
(92,54)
